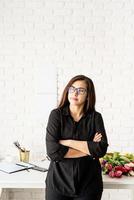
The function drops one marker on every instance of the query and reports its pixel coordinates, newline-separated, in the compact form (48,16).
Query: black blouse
(74,176)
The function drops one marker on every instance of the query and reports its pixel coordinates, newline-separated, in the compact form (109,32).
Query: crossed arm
(58,149)
(78,148)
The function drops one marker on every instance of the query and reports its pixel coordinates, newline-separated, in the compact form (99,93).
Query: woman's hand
(97,137)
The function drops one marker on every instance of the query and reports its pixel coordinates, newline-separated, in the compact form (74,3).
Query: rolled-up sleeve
(55,151)
(98,149)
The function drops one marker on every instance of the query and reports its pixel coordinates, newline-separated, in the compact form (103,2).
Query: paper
(11,167)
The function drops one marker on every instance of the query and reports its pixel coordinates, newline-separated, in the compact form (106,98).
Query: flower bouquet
(116,164)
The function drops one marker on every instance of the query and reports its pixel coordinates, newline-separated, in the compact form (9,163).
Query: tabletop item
(17,144)
(24,155)
(116,164)
(32,166)
(12,167)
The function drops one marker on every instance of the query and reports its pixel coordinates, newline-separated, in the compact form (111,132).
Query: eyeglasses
(80,90)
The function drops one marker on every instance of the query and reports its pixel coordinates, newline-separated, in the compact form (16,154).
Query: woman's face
(77,93)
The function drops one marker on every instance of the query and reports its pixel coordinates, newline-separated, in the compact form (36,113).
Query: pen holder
(24,156)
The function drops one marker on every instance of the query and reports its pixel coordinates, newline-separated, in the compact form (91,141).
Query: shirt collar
(66,111)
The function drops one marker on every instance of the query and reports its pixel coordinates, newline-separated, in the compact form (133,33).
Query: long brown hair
(91,97)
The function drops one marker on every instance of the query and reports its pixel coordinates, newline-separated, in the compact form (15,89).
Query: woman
(75,141)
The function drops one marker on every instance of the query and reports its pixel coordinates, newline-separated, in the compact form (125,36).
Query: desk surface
(125,182)
(24,179)
(36,179)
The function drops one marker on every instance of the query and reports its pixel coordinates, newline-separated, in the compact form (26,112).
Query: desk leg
(132,194)
(0,191)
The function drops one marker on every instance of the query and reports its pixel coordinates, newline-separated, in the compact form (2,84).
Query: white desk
(119,183)
(24,179)
(36,179)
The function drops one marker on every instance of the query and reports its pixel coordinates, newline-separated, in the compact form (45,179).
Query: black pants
(52,195)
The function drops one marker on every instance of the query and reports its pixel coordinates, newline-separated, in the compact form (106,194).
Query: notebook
(12,167)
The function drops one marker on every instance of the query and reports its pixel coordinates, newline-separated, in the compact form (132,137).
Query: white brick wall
(45,42)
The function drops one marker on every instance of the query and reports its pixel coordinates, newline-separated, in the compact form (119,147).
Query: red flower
(108,166)
(111,174)
(127,167)
(118,173)
(120,168)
